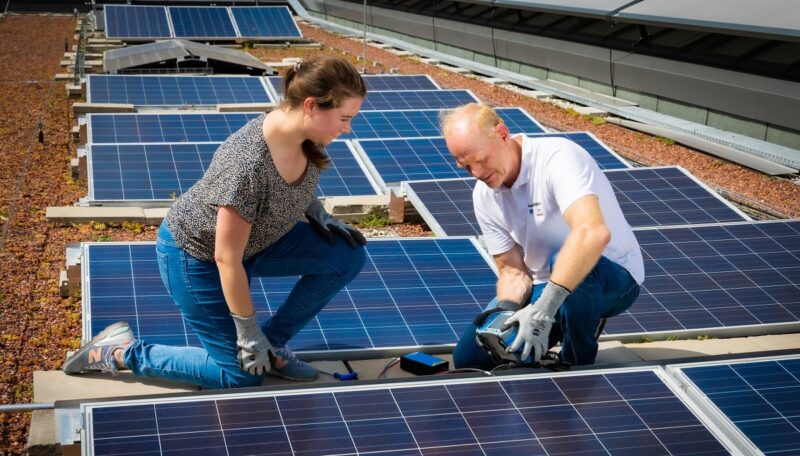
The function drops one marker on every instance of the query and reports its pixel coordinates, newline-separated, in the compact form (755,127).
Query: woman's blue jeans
(606,291)
(196,289)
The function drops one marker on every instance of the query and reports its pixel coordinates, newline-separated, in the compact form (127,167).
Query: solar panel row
(648,197)
(199,22)
(375,83)
(425,292)
(398,160)
(616,413)
(216,127)
(176,90)
(411,292)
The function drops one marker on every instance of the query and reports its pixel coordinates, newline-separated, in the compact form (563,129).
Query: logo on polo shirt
(535,209)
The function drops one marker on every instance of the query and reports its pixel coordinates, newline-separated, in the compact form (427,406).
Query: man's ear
(502,131)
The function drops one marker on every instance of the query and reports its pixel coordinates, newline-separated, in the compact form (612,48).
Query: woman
(240,220)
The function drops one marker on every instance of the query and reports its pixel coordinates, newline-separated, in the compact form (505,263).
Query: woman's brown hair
(329,81)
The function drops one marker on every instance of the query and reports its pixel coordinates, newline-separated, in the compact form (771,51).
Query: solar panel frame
(200,126)
(182,11)
(381,156)
(722,281)
(184,94)
(382,325)
(463,222)
(613,411)
(243,34)
(111,33)
(337,180)
(752,400)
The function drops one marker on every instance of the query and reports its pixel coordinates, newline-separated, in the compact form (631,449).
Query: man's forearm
(514,285)
(579,254)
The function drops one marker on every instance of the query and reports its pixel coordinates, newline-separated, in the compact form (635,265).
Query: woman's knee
(352,260)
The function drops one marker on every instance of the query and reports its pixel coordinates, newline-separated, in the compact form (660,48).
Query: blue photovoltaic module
(632,412)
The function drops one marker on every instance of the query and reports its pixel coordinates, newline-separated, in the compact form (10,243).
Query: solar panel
(648,197)
(346,175)
(726,279)
(377,82)
(216,127)
(131,22)
(756,398)
(145,172)
(166,128)
(416,99)
(445,205)
(631,412)
(269,22)
(669,196)
(176,90)
(398,160)
(156,174)
(410,293)
(202,22)
(605,157)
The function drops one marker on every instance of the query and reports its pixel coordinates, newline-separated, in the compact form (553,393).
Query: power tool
(495,336)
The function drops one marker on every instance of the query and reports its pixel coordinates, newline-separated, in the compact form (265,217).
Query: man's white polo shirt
(554,173)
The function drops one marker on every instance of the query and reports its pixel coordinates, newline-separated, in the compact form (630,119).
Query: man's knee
(237,378)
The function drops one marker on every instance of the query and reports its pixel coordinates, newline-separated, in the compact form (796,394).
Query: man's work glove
(253,346)
(326,226)
(535,321)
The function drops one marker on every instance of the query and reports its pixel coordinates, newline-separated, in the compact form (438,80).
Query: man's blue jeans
(196,289)
(606,291)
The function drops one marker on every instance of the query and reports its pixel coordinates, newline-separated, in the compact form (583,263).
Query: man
(553,224)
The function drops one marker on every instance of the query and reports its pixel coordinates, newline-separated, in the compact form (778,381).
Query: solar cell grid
(716,279)
(166,128)
(398,160)
(265,22)
(175,90)
(216,127)
(599,413)
(668,196)
(159,173)
(410,293)
(758,397)
(145,22)
(648,197)
(201,22)
(416,99)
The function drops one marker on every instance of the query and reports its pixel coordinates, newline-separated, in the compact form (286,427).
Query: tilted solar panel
(176,90)
(631,412)
(156,174)
(202,22)
(132,22)
(216,127)
(416,99)
(758,398)
(648,197)
(410,293)
(398,160)
(724,279)
(271,22)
